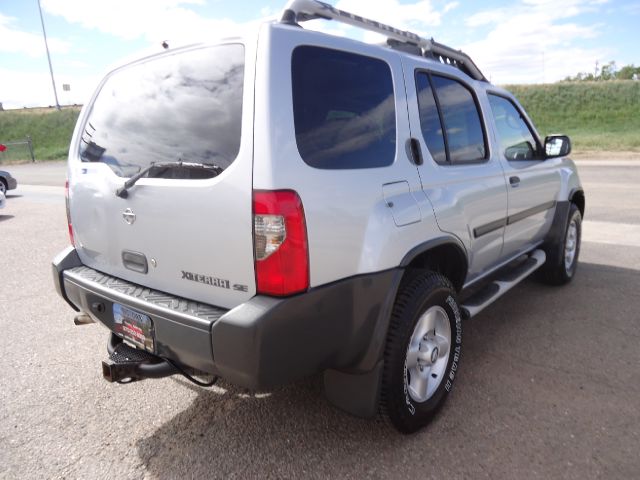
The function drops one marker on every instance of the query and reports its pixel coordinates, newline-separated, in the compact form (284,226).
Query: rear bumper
(261,344)
(12,183)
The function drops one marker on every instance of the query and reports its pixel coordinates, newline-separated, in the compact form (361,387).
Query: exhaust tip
(82,319)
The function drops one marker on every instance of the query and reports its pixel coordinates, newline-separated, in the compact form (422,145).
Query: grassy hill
(596,115)
(50,131)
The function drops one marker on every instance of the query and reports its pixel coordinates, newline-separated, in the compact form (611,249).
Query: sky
(517,41)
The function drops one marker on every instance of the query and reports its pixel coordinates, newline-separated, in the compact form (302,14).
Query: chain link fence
(16,150)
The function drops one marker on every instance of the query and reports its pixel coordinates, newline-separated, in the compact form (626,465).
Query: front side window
(343,109)
(181,107)
(515,139)
(450,120)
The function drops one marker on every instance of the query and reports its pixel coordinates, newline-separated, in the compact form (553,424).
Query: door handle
(514,181)
(416,151)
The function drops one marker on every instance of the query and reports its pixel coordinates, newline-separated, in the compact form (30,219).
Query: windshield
(181,107)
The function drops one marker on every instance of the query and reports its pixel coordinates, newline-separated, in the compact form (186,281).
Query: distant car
(2,200)
(7,182)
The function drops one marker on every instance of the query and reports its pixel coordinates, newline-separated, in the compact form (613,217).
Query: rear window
(343,108)
(181,107)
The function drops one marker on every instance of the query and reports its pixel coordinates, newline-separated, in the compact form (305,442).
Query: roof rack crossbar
(304,10)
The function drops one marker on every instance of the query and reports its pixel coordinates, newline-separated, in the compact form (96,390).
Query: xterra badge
(213,281)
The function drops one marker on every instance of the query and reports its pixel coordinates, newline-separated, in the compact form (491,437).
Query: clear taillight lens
(270,232)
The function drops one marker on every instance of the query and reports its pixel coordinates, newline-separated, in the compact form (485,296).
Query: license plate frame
(134,327)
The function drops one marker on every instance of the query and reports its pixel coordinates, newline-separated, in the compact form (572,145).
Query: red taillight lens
(66,202)
(280,243)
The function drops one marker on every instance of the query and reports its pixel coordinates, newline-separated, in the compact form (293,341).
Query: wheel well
(6,185)
(578,199)
(447,259)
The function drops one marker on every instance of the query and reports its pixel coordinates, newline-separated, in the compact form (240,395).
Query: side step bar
(501,285)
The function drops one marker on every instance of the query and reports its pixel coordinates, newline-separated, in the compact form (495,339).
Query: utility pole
(46,46)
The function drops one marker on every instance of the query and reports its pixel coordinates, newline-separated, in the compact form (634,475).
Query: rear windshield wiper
(123,193)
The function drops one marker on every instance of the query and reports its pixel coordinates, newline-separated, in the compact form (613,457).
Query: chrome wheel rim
(428,354)
(3,189)
(570,245)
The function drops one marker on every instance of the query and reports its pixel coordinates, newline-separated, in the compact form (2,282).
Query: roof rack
(304,10)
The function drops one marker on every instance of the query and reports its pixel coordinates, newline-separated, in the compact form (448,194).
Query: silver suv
(269,207)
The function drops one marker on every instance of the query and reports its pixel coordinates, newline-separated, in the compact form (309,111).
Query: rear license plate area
(134,327)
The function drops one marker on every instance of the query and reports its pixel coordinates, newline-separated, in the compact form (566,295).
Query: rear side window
(516,140)
(343,109)
(430,119)
(181,107)
(450,120)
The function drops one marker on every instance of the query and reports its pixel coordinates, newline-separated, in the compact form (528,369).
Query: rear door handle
(416,151)
(514,181)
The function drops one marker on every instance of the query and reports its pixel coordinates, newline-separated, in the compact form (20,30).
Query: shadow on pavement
(5,217)
(532,389)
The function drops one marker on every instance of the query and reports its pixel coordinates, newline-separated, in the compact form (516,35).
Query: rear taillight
(66,202)
(280,243)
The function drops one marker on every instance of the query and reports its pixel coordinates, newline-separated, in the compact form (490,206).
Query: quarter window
(343,109)
(450,120)
(514,136)
(430,119)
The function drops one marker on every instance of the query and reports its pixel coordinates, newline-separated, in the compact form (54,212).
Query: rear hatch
(182,122)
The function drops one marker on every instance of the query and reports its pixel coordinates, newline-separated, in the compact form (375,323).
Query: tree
(627,72)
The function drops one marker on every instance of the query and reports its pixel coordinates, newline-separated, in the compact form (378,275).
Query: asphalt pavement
(549,385)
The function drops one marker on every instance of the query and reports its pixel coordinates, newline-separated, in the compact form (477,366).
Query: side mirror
(557,146)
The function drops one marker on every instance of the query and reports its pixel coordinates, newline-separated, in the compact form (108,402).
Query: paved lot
(549,385)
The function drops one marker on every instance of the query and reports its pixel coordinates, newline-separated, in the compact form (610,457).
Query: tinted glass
(186,106)
(514,136)
(429,119)
(343,108)
(461,119)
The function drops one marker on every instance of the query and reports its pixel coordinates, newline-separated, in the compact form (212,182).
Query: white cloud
(450,6)
(417,17)
(31,89)
(13,40)
(534,41)
(152,20)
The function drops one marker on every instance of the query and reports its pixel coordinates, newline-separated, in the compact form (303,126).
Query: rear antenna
(165,45)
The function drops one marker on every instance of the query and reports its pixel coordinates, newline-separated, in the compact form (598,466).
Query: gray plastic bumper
(261,344)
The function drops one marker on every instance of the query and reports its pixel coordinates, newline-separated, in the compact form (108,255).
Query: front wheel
(563,268)
(422,352)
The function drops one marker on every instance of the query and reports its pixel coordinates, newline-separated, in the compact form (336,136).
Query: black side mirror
(557,146)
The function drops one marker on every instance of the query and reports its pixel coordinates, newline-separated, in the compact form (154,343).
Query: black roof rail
(303,10)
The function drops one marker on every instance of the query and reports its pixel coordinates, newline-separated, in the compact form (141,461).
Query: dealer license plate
(133,326)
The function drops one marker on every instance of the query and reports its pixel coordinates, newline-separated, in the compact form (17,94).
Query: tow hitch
(127,364)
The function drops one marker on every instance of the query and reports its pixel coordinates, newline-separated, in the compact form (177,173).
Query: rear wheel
(422,352)
(3,186)
(562,269)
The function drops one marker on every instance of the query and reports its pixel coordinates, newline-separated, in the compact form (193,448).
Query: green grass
(50,132)
(596,115)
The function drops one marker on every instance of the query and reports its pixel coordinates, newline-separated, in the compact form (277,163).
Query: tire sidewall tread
(415,297)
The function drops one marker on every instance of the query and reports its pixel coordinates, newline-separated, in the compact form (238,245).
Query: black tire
(417,296)
(556,271)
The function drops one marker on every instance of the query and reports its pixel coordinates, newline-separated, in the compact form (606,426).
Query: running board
(501,285)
